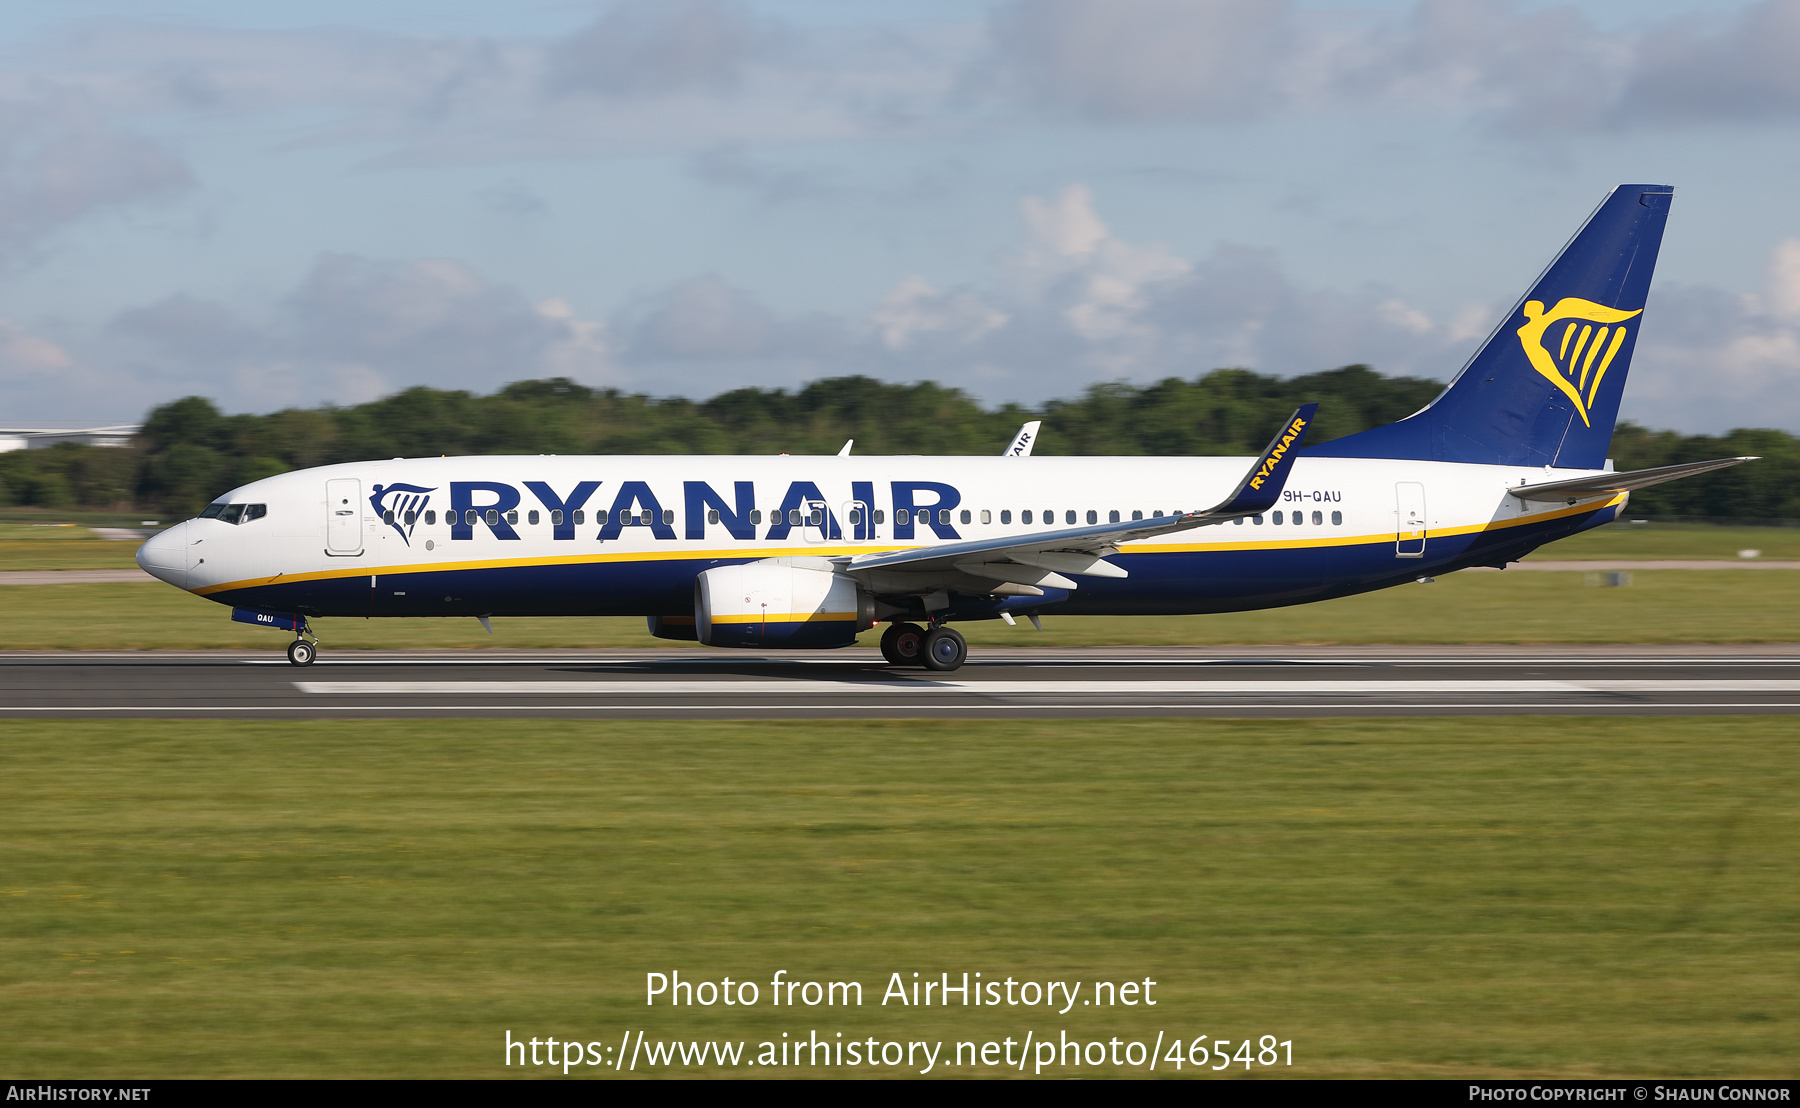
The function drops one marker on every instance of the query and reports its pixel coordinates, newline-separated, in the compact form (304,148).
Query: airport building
(50,434)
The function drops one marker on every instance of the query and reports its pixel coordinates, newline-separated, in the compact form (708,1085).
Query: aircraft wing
(1034,559)
(1609,484)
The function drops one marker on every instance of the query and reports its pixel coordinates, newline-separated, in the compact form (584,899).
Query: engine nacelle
(780,604)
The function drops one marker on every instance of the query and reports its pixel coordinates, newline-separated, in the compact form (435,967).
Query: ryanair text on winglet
(1275,455)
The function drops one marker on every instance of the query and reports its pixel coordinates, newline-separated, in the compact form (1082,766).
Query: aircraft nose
(164,557)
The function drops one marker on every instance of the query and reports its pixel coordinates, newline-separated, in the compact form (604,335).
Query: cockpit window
(234,513)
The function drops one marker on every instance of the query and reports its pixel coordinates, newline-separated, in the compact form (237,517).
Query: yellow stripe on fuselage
(730,554)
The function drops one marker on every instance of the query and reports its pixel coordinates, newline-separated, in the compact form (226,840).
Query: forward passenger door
(343,517)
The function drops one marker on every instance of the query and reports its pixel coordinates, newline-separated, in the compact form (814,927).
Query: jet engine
(782,604)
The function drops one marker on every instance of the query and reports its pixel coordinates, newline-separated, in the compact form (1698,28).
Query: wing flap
(1015,574)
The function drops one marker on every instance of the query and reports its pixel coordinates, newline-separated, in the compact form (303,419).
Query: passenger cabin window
(1337,519)
(712,515)
(1256,520)
(1024,516)
(1136,514)
(755,516)
(387,516)
(431,517)
(1006,515)
(556,517)
(532,518)
(944,517)
(880,516)
(1318,519)
(493,517)
(512,517)
(668,515)
(1069,516)
(966,517)
(413,517)
(987,516)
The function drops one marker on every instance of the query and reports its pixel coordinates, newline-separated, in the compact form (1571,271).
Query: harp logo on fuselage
(406,502)
(1575,356)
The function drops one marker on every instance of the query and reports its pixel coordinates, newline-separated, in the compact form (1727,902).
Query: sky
(280,204)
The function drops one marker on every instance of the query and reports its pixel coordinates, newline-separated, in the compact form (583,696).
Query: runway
(1044,683)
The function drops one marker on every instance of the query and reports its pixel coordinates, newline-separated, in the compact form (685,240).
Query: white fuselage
(337,540)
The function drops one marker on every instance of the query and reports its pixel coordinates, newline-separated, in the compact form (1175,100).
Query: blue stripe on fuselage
(1165,583)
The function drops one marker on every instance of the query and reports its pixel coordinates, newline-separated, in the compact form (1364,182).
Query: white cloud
(1147,59)
(1710,360)
(352,330)
(1533,71)
(61,160)
(661,46)
(914,308)
(1073,304)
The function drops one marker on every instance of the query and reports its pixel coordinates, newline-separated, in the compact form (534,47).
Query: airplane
(808,552)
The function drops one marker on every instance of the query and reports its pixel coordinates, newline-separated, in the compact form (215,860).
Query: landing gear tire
(945,649)
(903,644)
(301,652)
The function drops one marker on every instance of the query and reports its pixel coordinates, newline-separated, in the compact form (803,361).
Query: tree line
(189,452)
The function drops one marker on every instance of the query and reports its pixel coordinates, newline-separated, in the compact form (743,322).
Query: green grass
(49,546)
(1502,897)
(1674,540)
(1674,606)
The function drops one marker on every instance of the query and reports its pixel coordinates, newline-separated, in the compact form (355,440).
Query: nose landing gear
(305,646)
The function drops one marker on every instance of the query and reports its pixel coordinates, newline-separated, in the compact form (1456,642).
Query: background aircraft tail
(1545,387)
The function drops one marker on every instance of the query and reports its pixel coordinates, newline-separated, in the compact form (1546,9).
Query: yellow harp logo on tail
(1578,353)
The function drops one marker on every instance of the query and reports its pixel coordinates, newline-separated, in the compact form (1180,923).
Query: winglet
(1261,487)
(1020,447)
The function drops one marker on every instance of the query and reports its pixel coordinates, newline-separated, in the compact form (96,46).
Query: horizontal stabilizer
(1610,484)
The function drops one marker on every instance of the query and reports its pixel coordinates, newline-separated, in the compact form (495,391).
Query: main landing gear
(305,646)
(908,644)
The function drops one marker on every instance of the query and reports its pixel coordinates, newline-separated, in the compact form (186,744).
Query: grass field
(1501,897)
(1659,606)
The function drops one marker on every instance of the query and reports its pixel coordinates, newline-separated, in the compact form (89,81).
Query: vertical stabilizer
(1545,387)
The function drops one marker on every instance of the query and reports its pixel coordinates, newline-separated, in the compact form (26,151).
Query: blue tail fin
(1545,388)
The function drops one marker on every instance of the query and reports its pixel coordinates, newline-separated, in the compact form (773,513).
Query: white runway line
(1362,707)
(777,687)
